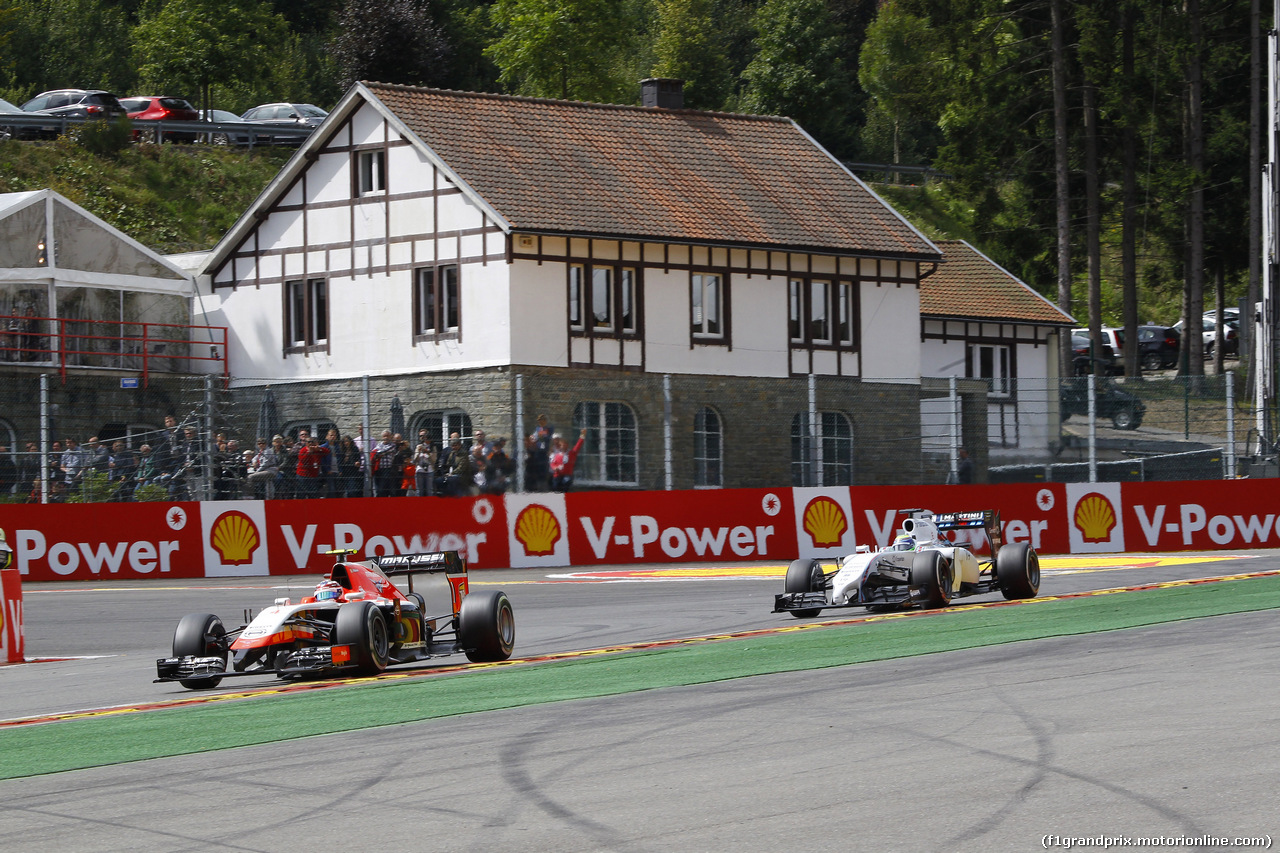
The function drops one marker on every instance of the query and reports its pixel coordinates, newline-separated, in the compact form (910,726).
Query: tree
(689,46)
(189,45)
(562,48)
(798,70)
(896,69)
(390,41)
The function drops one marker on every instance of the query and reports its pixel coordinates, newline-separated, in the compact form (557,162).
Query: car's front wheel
(362,626)
(1125,418)
(931,577)
(487,626)
(1152,361)
(200,635)
(1018,571)
(804,576)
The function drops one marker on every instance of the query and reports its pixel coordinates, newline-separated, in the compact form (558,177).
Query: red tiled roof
(969,285)
(648,173)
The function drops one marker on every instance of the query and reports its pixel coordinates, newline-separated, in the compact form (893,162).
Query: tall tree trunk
(1059,61)
(1193,340)
(1128,215)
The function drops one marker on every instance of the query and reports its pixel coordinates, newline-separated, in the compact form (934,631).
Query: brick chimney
(662,92)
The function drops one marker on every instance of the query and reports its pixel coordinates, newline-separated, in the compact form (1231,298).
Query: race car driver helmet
(329,591)
(904,543)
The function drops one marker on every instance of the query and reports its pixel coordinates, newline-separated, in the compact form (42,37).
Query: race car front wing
(189,666)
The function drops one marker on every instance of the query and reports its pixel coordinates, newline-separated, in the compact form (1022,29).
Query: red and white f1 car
(357,621)
(922,568)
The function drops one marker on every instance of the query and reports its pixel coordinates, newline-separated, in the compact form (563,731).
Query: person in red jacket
(312,459)
(563,458)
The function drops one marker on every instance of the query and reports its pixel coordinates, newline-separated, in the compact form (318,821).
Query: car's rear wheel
(804,576)
(200,635)
(487,626)
(1018,571)
(362,626)
(931,578)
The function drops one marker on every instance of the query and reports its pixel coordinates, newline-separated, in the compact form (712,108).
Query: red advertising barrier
(247,538)
(11,642)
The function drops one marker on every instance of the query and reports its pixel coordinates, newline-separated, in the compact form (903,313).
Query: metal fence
(93,437)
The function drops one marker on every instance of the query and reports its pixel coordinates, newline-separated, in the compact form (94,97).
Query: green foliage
(896,69)
(798,70)
(562,48)
(172,198)
(104,138)
(690,46)
(94,488)
(151,492)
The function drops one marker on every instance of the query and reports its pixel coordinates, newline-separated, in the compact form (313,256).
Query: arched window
(610,455)
(829,461)
(708,448)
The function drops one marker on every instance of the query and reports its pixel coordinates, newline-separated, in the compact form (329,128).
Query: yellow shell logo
(235,537)
(1095,518)
(537,530)
(825,523)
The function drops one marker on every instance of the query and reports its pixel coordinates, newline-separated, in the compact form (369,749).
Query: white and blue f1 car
(923,568)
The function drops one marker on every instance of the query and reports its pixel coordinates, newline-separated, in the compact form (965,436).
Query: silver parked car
(297,116)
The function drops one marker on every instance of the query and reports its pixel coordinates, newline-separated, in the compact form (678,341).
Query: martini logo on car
(825,522)
(1095,518)
(537,530)
(235,537)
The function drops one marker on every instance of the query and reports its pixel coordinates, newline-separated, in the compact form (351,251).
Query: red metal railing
(111,344)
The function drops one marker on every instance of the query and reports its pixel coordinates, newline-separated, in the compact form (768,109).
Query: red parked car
(158,108)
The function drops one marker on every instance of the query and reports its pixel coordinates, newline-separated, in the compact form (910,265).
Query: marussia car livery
(922,568)
(356,621)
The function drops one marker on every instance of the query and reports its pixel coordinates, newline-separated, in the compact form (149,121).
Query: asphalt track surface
(1166,730)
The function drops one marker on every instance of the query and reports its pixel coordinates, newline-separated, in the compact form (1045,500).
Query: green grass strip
(113,739)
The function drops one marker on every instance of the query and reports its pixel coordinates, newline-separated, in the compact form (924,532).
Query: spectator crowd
(173,465)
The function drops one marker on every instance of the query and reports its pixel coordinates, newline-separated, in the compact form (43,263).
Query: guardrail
(252,133)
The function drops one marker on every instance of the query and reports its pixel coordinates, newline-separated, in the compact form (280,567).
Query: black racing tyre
(200,635)
(1125,418)
(804,576)
(487,626)
(1018,571)
(931,577)
(363,626)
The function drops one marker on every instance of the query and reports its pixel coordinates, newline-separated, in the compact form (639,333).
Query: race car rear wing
(449,562)
(988,519)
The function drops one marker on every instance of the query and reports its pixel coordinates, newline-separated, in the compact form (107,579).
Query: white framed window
(824,459)
(436,306)
(821,312)
(708,449)
(610,454)
(371,172)
(306,313)
(994,363)
(706,305)
(608,306)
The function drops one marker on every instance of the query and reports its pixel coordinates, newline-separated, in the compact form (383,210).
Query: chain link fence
(93,438)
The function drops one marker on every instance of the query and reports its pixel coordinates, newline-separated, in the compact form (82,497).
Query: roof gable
(969,285)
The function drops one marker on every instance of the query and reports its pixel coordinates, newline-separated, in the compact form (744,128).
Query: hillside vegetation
(170,198)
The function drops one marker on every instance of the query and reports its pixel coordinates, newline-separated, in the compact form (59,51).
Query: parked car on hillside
(224,137)
(1083,358)
(71,103)
(1124,409)
(1209,332)
(1158,347)
(299,116)
(161,108)
(1112,338)
(7,108)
